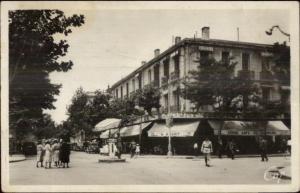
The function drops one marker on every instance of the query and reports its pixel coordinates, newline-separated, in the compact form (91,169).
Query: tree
(148,98)
(282,73)
(86,110)
(45,128)
(99,107)
(124,109)
(213,85)
(33,54)
(79,113)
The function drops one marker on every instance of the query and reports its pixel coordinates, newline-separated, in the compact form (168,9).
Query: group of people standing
(53,151)
(207,149)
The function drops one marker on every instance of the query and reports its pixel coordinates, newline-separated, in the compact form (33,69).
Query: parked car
(29,148)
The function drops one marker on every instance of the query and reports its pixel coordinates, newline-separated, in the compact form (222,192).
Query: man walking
(231,148)
(263,149)
(207,149)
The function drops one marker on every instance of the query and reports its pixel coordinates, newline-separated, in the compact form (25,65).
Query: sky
(112,43)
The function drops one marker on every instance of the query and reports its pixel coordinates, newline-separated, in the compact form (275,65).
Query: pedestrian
(119,146)
(56,148)
(137,150)
(39,154)
(207,149)
(289,143)
(132,148)
(263,149)
(231,148)
(220,148)
(65,154)
(48,154)
(196,149)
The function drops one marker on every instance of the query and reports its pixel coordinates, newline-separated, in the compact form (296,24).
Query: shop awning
(133,130)
(107,124)
(105,134)
(177,130)
(250,128)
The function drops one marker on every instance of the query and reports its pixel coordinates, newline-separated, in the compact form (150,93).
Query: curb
(214,156)
(16,158)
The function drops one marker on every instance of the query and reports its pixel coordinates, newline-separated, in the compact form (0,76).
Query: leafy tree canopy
(33,54)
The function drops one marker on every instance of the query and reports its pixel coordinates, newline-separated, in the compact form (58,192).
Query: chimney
(205,33)
(177,39)
(143,63)
(156,52)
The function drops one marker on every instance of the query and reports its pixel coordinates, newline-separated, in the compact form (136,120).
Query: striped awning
(133,130)
(250,128)
(107,124)
(177,130)
(105,134)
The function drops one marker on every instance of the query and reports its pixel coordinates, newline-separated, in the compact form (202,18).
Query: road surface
(85,170)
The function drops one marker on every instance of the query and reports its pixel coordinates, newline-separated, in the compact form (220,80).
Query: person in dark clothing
(263,149)
(132,148)
(231,148)
(119,146)
(64,154)
(220,148)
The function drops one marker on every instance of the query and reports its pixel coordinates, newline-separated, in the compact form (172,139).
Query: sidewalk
(201,156)
(17,158)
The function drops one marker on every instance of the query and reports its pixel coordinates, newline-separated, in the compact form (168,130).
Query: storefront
(182,137)
(246,134)
(137,133)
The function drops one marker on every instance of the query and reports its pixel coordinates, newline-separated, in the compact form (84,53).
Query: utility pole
(169,119)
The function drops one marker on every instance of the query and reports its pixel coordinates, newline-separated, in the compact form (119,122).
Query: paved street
(85,170)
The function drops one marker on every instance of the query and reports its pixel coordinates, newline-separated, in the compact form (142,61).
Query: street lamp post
(141,120)
(281,31)
(169,120)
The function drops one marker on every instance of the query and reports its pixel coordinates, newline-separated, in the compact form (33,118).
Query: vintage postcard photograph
(107,96)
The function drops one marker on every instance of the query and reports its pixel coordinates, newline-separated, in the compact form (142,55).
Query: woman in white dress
(55,148)
(207,149)
(39,152)
(48,155)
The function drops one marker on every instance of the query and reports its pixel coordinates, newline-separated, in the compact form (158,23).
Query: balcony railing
(246,74)
(266,75)
(173,109)
(174,76)
(164,80)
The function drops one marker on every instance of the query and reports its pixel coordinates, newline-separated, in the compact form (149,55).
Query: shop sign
(206,48)
(112,140)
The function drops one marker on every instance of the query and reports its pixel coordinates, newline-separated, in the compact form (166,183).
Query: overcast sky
(112,43)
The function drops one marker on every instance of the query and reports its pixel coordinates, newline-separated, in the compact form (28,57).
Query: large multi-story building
(167,71)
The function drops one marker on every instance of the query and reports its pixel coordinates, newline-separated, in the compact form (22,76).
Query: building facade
(168,69)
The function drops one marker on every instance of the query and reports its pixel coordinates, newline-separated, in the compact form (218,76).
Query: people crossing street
(263,149)
(207,149)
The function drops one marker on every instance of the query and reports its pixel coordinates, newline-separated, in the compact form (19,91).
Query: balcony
(266,76)
(246,74)
(164,81)
(174,76)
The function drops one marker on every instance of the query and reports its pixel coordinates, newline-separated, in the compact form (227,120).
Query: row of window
(204,55)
